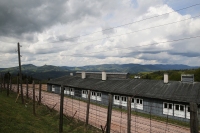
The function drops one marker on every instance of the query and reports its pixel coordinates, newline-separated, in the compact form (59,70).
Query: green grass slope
(18,118)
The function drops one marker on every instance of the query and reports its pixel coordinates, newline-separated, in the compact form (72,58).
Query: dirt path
(98,116)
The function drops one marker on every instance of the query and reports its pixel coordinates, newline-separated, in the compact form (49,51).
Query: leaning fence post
(40,88)
(33,98)
(27,88)
(193,118)
(129,115)
(17,84)
(109,113)
(88,108)
(61,110)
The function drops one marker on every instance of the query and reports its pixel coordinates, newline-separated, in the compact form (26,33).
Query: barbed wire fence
(88,108)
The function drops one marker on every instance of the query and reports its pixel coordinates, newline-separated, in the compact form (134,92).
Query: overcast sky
(91,32)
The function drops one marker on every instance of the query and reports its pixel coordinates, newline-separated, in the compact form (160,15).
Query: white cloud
(57,34)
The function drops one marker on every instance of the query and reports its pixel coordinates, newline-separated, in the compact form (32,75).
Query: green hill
(48,71)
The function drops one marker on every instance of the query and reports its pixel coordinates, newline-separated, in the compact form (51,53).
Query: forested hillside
(46,72)
(173,74)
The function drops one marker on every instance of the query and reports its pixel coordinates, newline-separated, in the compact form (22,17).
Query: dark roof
(110,75)
(106,73)
(174,90)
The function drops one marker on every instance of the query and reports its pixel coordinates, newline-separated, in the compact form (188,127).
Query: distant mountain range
(48,71)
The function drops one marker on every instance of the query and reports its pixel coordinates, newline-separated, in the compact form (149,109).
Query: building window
(98,96)
(170,106)
(53,88)
(139,103)
(124,99)
(66,90)
(117,100)
(84,93)
(165,105)
(116,97)
(177,107)
(132,103)
(179,110)
(187,111)
(132,100)
(93,93)
(167,108)
(71,91)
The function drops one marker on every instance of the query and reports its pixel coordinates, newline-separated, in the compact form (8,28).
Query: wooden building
(160,97)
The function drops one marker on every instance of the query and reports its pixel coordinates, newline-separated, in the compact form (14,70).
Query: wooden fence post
(40,89)
(129,115)
(10,83)
(193,118)
(27,88)
(22,94)
(33,97)
(61,110)
(1,83)
(18,84)
(88,108)
(7,88)
(109,113)
(4,83)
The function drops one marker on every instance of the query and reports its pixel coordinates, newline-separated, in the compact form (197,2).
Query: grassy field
(18,118)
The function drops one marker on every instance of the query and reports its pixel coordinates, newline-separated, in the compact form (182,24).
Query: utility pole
(20,73)
(1,83)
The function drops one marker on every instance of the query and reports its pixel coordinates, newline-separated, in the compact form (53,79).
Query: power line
(126,33)
(123,24)
(176,40)
(126,24)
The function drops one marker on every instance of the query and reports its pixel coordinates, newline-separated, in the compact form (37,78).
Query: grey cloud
(46,51)
(19,17)
(187,54)
(65,39)
(108,31)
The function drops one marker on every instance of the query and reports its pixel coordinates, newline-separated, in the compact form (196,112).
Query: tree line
(14,77)
(174,75)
